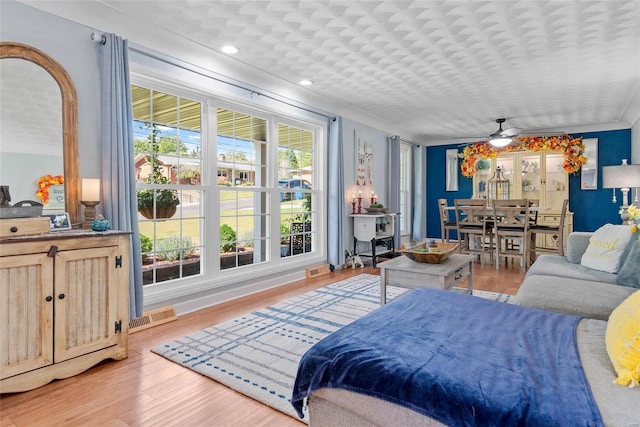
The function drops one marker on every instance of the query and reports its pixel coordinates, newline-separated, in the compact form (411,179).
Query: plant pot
(161,212)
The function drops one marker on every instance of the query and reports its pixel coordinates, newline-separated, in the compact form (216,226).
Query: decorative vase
(100,224)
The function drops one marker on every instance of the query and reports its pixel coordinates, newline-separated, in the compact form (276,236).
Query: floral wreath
(44,183)
(573,150)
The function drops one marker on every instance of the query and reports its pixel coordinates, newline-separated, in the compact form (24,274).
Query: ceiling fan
(503,137)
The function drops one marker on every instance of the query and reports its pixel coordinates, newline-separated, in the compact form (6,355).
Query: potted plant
(166,201)
(483,166)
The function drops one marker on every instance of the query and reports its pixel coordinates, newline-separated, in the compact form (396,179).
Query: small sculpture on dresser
(100,223)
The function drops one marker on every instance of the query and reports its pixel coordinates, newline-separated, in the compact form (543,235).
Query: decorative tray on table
(430,255)
(376,210)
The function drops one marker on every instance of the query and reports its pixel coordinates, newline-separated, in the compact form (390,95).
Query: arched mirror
(39,124)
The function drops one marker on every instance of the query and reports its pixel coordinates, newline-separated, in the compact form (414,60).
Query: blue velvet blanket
(459,359)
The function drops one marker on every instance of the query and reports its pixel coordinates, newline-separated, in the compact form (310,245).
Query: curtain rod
(210,74)
(406,140)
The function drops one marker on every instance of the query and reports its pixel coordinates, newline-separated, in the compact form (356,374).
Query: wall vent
(152,318)
(318,270)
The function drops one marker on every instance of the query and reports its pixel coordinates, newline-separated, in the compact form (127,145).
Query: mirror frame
(69,119)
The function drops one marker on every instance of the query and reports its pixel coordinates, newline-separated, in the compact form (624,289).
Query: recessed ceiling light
(305,82)
(231,50)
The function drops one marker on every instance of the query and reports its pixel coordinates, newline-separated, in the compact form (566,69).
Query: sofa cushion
(623,341)
(577,244)
(618,405)
(606,247)
(553,265)
(629,274)
(595,300)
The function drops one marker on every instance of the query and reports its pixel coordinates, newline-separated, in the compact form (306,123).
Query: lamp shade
(90,189)
(621,176)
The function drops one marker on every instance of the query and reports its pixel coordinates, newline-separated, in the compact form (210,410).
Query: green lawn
(191,224)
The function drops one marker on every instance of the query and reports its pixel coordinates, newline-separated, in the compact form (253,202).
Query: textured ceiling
(433,70)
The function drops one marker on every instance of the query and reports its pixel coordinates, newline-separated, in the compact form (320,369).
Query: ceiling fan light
(500,141)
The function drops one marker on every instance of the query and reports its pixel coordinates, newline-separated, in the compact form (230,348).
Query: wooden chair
(512,223)
(446,225)
(474,227)
(555,230)
(533,215)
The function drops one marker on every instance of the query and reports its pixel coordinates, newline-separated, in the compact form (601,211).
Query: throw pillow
(622,340)
(606,247)
(629,273)
(625,254)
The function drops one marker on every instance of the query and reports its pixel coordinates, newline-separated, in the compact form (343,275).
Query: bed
(436,358)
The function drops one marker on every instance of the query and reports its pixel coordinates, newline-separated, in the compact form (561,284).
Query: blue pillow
(627,249)
(629,273)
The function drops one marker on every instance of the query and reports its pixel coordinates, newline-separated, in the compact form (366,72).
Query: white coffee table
(404,273)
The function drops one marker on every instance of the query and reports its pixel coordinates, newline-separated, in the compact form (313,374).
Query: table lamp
(90,199)
(624,177)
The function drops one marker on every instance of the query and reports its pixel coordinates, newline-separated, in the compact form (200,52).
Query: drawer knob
(61,296)
(49,298)
(14,229)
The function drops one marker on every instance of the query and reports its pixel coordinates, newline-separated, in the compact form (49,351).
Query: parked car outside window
(293,183)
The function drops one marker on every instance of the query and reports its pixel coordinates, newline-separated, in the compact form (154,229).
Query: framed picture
(451,165)
(59,221)
(364,159)
(589,171)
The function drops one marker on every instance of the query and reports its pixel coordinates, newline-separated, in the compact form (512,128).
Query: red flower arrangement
(573,150)
(44,183)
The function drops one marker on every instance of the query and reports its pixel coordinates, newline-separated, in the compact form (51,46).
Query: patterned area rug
(257,354)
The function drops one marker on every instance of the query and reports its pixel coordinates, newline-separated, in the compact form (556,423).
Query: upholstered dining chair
(555,230)
(512,223)
(446,224)
(474,227)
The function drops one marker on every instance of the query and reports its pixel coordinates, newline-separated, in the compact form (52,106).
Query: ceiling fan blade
(511,131)
(559,133)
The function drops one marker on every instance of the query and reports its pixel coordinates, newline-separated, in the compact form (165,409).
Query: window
(295,174)
(167,147)
(243,196)
(255,210)
(405,188)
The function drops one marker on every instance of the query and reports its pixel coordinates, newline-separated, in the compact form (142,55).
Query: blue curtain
(335,194)
(118,169)
(393,191)
(419,184)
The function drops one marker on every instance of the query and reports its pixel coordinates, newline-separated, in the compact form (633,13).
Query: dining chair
(512,224)
(555,230)
(474,227)
(446,225)
(533,215)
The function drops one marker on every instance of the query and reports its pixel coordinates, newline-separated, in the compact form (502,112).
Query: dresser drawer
(15,227)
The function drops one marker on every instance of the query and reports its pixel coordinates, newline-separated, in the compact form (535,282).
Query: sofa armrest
(577,243)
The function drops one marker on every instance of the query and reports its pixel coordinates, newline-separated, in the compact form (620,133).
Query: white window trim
(213,279)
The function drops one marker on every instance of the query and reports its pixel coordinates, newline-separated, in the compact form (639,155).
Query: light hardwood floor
(148,390)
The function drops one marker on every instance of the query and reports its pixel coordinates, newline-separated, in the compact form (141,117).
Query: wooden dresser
(64,305)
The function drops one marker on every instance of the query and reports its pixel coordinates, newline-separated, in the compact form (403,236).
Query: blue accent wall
(591,208)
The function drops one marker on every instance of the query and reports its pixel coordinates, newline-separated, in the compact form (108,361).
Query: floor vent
(152,318)
(319,270)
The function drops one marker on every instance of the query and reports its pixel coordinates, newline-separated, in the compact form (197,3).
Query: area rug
(257,354)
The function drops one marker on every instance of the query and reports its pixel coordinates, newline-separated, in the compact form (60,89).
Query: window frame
(406,187)
(212,277)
